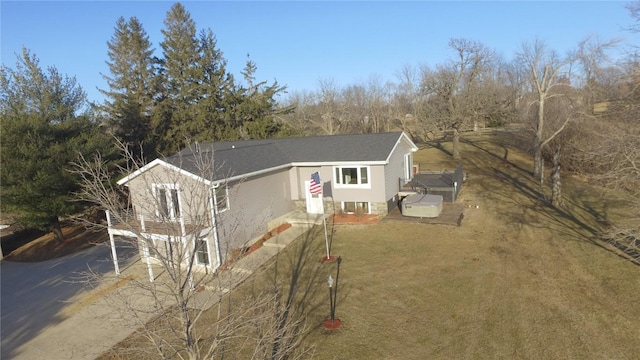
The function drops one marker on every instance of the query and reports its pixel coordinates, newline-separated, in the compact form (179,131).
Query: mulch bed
(363,219)
(239,253)
(35,248)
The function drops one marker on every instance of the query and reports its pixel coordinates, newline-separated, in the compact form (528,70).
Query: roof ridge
(208,143)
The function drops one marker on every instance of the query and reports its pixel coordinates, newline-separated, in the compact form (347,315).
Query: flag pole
(315,187)
(326,238)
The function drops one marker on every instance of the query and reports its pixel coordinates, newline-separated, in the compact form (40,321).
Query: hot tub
(422,205)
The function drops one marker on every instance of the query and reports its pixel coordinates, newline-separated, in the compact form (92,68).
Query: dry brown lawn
(517,280)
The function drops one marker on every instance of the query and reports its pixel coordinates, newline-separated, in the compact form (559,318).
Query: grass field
(517,279)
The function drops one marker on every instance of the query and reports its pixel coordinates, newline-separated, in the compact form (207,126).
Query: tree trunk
(556,185)
(456,144)
(538,166)
(57,231)
(189,342)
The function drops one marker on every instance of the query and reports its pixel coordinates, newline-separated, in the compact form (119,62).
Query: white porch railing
(128,220)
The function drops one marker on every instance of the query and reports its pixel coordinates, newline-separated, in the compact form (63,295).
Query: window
(352,176)
(202,252)
(167,201)
(354,207)
(408,166)
(220,197)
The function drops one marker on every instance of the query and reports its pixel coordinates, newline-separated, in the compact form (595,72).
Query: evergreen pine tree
(255,113)
(181,78)
(43,130)
(209,121)
(198,99)
(130,98)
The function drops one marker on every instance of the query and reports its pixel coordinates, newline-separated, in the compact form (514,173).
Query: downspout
(214,223)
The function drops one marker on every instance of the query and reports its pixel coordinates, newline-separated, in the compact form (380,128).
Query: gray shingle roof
(242,157)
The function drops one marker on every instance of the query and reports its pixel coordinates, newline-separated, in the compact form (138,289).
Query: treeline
(579,110)
(155,105)
(575,112)
(185,95)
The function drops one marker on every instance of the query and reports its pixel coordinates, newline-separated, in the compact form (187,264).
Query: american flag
(315,187)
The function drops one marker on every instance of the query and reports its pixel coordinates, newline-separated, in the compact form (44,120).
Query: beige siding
(253,202)
(304,173)
(394,170)
(294,175)
(194,204)
(374,193)
(193,194)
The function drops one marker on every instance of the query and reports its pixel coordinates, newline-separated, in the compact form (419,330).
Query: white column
(142,223)
(114,254)
(182,227)
(150,269)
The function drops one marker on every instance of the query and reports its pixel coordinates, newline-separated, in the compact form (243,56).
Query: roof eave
(403,135)
(338,163)
(161,162)
(253,173)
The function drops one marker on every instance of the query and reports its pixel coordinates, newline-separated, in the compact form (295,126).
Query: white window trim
(215,200)
(172,212)
(338,185)
(356,202)
(408,166)
(209,262)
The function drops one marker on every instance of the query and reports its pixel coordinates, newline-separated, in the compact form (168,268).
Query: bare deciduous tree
(329,105)
(180,308)
(552,76)
(377,95)
(406,102)
(355,109)
(608,152)
(451,86)
(546,72)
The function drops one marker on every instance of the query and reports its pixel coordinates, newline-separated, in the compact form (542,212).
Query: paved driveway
(33,296)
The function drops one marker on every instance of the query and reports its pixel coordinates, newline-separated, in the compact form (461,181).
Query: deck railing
(127,220)
(445,183)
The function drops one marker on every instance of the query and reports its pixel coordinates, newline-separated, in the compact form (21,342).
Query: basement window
(355,207)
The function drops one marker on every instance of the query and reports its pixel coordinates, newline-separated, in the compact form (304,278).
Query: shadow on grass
(437,144)
(577,218)
(504,158)
(265,310)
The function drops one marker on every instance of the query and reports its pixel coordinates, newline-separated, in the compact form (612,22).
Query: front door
(314,201)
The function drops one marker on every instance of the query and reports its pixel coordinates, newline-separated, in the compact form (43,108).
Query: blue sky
(300,43)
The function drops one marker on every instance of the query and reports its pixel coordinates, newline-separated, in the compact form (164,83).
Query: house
(224,195)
